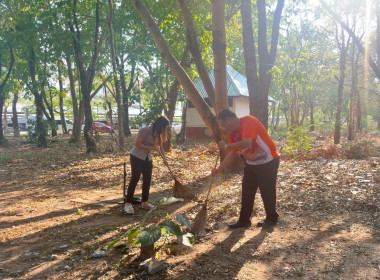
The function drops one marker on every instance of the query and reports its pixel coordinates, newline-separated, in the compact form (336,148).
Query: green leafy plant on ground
(299,271)
(298,140)
(147,236)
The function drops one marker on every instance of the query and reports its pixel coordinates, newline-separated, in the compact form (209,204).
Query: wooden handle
(212,178)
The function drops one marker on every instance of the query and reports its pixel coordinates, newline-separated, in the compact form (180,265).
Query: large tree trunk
(249,53)
(116,80)
(16,129)
(192,42)
(219,50)
(199,103)
(2,124)
(40,129)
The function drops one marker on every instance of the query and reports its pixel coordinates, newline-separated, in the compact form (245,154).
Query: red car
(101,127)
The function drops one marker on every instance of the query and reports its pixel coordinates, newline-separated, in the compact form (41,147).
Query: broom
(199,223)
(180,190)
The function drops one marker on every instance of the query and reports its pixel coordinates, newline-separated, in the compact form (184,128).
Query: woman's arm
(139,144)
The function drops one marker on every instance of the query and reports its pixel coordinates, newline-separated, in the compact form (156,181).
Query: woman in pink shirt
(149,138)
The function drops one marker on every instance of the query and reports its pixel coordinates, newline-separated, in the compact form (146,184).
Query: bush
(298,140)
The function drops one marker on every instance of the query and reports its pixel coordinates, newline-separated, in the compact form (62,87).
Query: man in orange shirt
(249,136)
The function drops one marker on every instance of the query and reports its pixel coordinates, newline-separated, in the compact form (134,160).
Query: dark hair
(159,126)
(225,114)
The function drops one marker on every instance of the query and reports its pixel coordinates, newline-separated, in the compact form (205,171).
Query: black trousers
(139,166)
(264,177)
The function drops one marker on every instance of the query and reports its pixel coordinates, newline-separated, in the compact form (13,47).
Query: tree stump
(147,252)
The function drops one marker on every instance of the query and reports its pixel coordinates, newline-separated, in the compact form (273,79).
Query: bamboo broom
(199,223)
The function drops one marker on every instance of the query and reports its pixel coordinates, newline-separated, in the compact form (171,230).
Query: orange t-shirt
(263,149)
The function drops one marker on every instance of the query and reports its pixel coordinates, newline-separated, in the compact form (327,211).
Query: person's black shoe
(240,224)
(136,200)
(267,223)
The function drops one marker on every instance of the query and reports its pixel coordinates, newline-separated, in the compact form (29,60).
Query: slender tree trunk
(172,98)
(199,103)
(16,129)
(75,136)
(61,112)
(40,129)
(354,94)
(116,80)
(87,75)
(249,53)
(2,95)
(219,50)
(126,93)
(312,122)
(181,137)
(342,67)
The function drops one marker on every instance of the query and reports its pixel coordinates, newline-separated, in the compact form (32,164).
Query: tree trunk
(77,126)
(87,75)
(116,80)
(266,59)
(40,129)
(354,93)
(61,112)
(2,124)
(192,42)
(249,53)
(196,99)
(181,137)
(16,129)
(126,91)
(219,50)
(2,95)
(312,122)
(342,67)
(172,98)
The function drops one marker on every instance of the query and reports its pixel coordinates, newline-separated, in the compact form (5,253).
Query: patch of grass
(5,159)
(299,271)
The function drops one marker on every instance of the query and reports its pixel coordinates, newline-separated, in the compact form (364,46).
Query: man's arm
(243,144)
(227,160)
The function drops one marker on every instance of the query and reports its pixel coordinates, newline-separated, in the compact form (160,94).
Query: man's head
(228,120)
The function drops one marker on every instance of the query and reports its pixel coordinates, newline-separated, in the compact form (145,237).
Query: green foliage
(298,140)
(32,135)
(5,159)
(149,235)
(299,271)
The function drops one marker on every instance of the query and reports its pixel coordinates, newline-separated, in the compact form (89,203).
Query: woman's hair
(159,127)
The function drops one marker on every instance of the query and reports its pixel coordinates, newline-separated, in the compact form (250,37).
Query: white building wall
(240,107)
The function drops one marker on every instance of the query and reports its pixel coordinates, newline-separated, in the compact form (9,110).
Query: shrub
(298,140)
(360,149)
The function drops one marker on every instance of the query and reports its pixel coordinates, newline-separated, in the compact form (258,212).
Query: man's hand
(222,145)
(215,171)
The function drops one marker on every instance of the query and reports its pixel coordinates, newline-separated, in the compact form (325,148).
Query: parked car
(176,126)
(69,125)
(101,127)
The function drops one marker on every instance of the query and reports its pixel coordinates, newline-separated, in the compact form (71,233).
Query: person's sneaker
(240,224)
(147,205)
(267,223)
(136,200)
(129,209)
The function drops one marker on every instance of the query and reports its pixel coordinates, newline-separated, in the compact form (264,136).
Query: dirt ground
(58,205)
